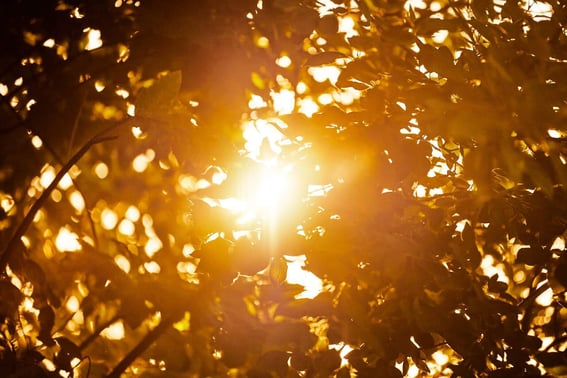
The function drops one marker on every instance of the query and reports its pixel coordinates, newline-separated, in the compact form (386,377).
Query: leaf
(300,361)
(532,256)
(424,340)
(327,57)
(11,298)
(327,361)
(554,362)
(278,270)
(274,361)
(496,286)
(46,320)
(285,334)
(67,353)
(428,26)
(321,305)
(158,98)
(249,258)
(217,260)
(560,273)
(328,24)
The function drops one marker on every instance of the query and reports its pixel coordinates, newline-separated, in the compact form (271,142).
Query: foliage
(423,150)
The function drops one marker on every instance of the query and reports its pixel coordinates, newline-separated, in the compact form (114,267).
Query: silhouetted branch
(28,219)
(97,332)
(150,337)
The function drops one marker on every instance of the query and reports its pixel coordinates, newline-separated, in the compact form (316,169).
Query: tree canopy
(283,188)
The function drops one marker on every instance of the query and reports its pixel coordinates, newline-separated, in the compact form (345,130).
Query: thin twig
(28,219)
(97,332)
(144,344)
(76,122)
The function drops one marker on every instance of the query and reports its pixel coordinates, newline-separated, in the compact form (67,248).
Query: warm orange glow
(263,138)
(297,275)
(47,176)
(267,189)
(93,39)
(308,107)
(73,304)
(126,227)
(283,61)
(142,161)
(346,25)
(122,262)
(323,73)
(36,142)
(101,170)
(153,245)
(77,201)
(109,219)
(67,241)
(284,101)
(152,267)
(6,202)
(114,332)
(132,213)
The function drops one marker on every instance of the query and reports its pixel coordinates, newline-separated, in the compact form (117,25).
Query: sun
(267,188)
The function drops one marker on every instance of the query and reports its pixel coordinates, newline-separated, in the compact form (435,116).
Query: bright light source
(284,101)
(152,267)
(114,332)
(256,102)
(539,10)
(131,110)
(440,358)
(49,43)
(546,298)
(556,134)
(77,201)
(56,196)
(6,202)
(322,73)
(36,142)
(153,245)
(346,25)
(47,176)
(261,133)
(440,36)
(109,219)
(65,182)
(126,227)
(269,189)
(72,304)
(297,275)
(263,42)
(188,249)
(99,86)
(93,39)
(133,213)
(142,161)
(122,262)
(137,132)
(67,241)
(283,61)
(101,170)
(308,107)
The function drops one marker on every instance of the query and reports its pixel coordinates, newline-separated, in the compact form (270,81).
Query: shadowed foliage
(165,167)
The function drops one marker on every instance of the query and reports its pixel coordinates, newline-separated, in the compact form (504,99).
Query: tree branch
(97,332)
(144,344)
(28,219)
